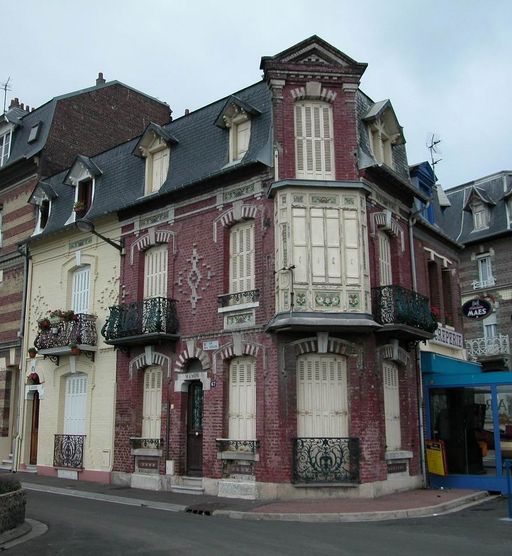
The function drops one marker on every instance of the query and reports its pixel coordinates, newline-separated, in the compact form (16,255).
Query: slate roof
(458,222)
(24,121)
(201,152)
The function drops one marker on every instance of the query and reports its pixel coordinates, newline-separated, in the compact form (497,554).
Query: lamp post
(87,226)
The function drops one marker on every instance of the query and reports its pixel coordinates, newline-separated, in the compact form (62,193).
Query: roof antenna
(6,87)
(434,151)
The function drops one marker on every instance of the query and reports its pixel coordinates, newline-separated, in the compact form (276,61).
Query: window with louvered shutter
(314,141)
(241,257)
(392,406)
(322,407)
(242,399)
(385,272)
(243,135)
(81,286)
(155,272)
(160,166)
(152,403)
(75,404)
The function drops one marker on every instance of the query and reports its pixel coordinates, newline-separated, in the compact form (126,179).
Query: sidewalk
(415,503)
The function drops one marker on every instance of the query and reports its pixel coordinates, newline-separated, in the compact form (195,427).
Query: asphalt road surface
(79,527)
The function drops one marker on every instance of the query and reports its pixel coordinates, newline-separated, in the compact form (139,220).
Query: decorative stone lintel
(150,452)
(246,456)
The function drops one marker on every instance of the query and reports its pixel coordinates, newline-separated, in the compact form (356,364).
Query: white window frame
(242,399)
(38,228)
(5,147)
(490,326)
(314,141)
(241,257)
(152,402)
(322,396)
(157,149)
(391,387)
(480,216)
(381,144)
(81,289)
(239,137)
(75,404)
(156,260)
(485,274)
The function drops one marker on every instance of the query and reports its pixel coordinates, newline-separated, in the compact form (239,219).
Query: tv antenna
(6,87)
(432,146)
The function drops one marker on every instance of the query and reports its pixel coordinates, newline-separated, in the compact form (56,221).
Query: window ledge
(398,454)
(146,452)
(232,455)
(239,307)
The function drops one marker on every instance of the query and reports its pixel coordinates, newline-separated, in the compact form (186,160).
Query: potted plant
(79,206)
(32,352)
(73,346)
(58,315)
(44,324)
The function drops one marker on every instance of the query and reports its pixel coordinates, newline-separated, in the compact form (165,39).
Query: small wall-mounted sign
(477,308)
(213,383)
(210,345)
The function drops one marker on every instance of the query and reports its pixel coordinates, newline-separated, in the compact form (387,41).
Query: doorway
(195,429)
(34,430)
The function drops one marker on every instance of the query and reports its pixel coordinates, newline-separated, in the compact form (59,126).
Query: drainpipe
(22,334)
(412,222)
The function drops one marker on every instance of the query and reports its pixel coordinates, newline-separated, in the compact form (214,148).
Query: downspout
(22,333)
(412,222)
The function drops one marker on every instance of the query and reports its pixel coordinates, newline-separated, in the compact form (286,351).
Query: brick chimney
(15,103)
(100,80)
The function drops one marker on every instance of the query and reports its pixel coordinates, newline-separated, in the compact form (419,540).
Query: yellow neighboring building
(68,405)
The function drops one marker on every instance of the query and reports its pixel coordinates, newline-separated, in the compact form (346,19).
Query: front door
(34,430)
(195,429)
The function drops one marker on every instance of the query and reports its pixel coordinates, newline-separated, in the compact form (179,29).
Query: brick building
(34,144)
(267,320)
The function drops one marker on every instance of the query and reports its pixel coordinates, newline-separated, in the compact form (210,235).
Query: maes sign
(477,308)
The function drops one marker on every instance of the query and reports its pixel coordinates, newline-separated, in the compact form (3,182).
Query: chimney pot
(22,106)
(187,111)
(100,80)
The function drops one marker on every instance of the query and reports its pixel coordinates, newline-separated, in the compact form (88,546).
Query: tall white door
(392,406)
(155,272)
(81,286)
(242,399)
(152,403)
(322,408)
(75,404)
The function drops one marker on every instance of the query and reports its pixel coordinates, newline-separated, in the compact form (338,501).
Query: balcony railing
(487,347)
(68,451)
(156,315)
(398,305)
(480,284)
(325,460)
(81,331)
(239,298)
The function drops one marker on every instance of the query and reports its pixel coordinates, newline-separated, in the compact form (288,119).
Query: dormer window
(157,165)
(480,216)
(236,116)
(155,147)
(381,144)
(83,197)
(5,147)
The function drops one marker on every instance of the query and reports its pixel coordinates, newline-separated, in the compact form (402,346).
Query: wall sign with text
(477,308)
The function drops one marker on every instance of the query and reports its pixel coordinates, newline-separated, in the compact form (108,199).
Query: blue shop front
(470,411)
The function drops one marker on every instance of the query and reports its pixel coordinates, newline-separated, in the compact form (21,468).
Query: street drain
(198,511)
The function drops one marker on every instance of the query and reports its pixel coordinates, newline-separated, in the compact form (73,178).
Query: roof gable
(383,111)
(82,168)
(151,133)
(233,107)
(477,194)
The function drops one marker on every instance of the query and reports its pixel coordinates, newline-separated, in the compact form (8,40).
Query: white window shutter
(391,406)
(155,272)
(242,399)
(385,267)
(243,131)
(152,403)
(81,286)
(322,406)
(242,257)
(75,404)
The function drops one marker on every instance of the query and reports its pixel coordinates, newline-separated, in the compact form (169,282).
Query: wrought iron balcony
(480,284)
(493,346)
(68,451)
(395,305)
(239,298)
(143,443)
(141,322)
(325,460)
(230,445)
(81,331)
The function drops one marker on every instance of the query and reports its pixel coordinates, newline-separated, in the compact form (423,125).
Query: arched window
(322,407)
(242,398)
(314,141)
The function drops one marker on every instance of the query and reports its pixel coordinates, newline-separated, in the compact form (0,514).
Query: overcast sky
(444,64)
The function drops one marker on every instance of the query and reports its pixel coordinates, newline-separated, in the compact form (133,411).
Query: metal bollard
(508,473)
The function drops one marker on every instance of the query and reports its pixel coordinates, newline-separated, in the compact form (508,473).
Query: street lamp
(87,226)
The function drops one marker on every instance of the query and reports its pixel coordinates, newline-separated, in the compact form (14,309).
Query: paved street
(86,527)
